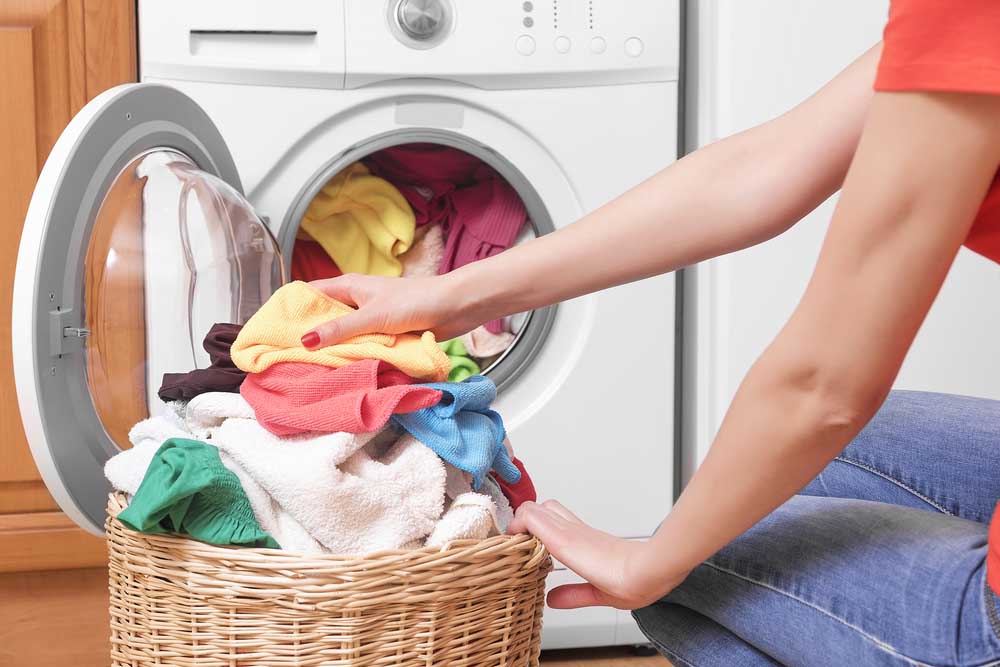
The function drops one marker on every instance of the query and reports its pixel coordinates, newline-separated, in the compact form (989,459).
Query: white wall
(750,60)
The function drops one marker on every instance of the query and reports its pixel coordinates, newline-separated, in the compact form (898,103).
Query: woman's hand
(621,573)
(394,305)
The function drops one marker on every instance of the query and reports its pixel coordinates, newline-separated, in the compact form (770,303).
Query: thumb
(338,330)
(574,596)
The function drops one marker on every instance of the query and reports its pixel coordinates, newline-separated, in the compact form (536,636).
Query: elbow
(829,406)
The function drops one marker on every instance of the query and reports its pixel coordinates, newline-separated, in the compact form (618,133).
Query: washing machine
(255,105)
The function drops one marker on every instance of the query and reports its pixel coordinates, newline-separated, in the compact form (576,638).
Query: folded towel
(462,429)
(187,490)
(274,334)
(291,398)
(423,258)
(351,498)
(482,343)
(471,516)
(362,221)
(206,412)
(462,366)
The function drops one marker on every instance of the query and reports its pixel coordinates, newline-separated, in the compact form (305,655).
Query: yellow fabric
(274,334)
(362,221)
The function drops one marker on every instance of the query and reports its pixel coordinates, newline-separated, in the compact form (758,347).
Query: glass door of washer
(137,240)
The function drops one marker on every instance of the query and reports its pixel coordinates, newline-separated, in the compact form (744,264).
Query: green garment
(462,365)
(187,490)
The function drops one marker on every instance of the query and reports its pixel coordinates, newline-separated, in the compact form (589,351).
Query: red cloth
(943,45)
(521,492)
(311,262)
(290,398)
(482,214)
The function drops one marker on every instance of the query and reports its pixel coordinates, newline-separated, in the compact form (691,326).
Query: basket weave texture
(176,601)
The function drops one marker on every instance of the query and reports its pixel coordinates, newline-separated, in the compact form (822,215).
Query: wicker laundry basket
(176,601)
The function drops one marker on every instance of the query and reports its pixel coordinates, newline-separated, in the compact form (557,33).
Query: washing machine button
(525,45)
(421,19)
(598,45)
(634,47)
(562,44)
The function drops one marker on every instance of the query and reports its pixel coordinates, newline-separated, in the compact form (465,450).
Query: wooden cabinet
(55,55)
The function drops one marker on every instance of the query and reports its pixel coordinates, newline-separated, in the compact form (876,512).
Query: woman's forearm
(729,195)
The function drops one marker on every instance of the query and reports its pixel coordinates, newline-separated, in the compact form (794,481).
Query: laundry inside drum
(419,210)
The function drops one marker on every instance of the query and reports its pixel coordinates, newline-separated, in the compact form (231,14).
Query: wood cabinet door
(55,55)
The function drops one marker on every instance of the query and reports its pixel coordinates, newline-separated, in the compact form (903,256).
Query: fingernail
(311,339)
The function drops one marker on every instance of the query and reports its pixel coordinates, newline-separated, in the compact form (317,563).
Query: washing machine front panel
(355,43)
(137,240)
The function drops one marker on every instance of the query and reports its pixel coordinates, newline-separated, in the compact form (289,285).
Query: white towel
(206,412)
(482,343)
(471,516)
(126,469)
(504,512)
(348,500)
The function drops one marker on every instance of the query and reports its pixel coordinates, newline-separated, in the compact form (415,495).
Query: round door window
(418,209)
(173,251)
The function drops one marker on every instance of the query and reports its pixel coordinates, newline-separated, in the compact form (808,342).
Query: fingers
(338,330)
(558,508)
(340,288)
(574,596)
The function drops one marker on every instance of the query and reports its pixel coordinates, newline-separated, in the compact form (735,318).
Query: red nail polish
(311,339)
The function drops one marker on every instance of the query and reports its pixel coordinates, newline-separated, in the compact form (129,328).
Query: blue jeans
(879,561)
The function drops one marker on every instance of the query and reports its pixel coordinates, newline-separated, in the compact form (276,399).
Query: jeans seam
(901,484)
(991,608)
(674,656)
(879,644)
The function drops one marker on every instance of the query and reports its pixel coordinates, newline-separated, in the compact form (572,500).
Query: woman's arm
(923,166)
(732,194)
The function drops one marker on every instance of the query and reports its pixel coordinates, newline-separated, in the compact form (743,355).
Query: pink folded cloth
(424,256)
(290,398)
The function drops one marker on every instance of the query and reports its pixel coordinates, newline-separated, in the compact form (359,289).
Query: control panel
(518,43)
(354,43)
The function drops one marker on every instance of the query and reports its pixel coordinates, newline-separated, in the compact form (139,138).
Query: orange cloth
(953,46)
(944,45)
(274,335)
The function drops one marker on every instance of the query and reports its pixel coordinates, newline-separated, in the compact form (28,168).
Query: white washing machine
(571,101)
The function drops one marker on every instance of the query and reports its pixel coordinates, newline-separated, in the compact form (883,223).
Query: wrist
(473,295)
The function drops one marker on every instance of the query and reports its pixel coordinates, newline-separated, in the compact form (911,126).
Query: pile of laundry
(348,449)
(415,210)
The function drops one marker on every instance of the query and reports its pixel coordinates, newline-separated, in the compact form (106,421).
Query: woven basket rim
(521,542)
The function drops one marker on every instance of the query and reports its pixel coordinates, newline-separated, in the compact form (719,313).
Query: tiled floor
(604,657)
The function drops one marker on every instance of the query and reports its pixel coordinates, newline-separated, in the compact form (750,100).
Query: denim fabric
(879,561)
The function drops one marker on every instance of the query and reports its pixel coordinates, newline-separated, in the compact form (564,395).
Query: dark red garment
(221,375)
(522,492)
(480,211)
(311,262)
(290,398)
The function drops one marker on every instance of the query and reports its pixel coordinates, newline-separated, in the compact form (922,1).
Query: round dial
(421,19)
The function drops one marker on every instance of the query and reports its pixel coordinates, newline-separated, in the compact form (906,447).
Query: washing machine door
(136,241)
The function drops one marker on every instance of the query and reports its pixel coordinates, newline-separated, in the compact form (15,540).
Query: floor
(604,657)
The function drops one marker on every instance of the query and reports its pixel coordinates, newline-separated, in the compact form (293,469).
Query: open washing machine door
(136,241)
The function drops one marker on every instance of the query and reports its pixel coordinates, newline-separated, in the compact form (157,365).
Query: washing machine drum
(137,240)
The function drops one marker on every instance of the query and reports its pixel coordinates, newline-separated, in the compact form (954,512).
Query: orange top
(953,46)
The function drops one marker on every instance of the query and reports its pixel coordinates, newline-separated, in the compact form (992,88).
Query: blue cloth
(462,429)
(880,560)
